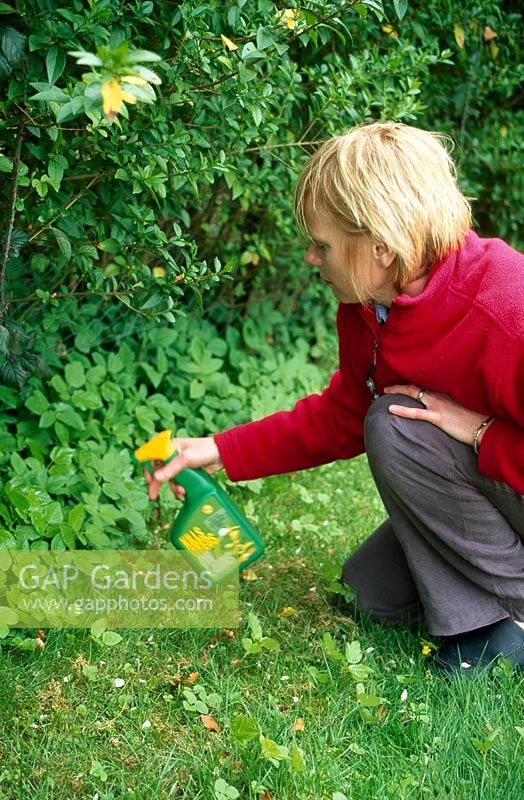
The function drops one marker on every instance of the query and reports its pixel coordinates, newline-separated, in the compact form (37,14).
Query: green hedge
(194,185)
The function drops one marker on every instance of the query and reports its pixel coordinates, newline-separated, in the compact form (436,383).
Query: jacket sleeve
(320,428)
(501,453)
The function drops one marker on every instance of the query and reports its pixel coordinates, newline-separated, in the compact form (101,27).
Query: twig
(75,199)
(12,210)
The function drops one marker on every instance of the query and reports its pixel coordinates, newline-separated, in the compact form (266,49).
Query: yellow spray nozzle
(159,448)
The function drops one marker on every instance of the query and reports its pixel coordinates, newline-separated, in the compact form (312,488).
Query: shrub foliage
(149,152)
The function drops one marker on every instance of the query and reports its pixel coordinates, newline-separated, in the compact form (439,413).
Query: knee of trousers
(391,441)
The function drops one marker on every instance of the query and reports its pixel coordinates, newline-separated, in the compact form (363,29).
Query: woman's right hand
(192,453)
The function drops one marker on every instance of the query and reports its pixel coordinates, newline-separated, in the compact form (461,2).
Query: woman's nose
(312,256)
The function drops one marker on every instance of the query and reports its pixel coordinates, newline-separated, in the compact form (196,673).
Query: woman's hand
(192,453)
(441,410)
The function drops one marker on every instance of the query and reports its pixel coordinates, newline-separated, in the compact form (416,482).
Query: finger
(153,489)
(172,468)
(415,413)
(177,490)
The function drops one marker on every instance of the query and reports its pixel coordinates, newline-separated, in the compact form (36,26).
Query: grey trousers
(453,546)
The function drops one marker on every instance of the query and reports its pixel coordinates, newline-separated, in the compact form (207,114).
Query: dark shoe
(480,648)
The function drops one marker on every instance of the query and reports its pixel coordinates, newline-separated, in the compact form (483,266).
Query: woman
(430,385)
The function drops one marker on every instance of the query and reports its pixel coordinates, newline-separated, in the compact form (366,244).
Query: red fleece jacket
(463,335)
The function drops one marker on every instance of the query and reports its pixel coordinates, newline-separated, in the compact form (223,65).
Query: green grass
(69,732)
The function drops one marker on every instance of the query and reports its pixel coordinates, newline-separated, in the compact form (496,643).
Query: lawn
(343,709)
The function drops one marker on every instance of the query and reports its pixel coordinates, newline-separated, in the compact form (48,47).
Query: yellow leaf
(494,50)
(111,98)
(503,131)
(159,272)
(288,18)
(209,723)
(127,97)
(460,36)
(249,575)
(390,30)
(489,34)
(298,725)
(228,43)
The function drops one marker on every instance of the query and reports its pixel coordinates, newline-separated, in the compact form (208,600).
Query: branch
(12,211)
(75,199)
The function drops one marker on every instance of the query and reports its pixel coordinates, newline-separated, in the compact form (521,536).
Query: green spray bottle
(210,529)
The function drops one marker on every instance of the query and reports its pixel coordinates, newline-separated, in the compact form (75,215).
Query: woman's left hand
(441,410)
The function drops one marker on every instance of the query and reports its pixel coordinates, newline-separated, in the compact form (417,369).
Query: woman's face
(338,256)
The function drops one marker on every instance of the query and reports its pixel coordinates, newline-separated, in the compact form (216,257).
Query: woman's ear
(382,255)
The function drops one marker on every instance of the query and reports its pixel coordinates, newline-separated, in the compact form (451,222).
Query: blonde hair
(394,183)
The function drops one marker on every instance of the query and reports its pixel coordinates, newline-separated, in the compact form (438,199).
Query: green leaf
(271,750)
(243,728)
(196,389)
(5,67)
(55,170)
(44,517)
(250,647)
(297,759)
(55,63)
(76,517)
(85,58)
(359,672)
(353,652)
(6,165)
(37,402)
(265,37)
(98,627)
(254,626)
(64,245)
(136,56)
(74,374)
(111,638)
(7,540)
(98,539)
(400,7)
(53,95)
(70,110)
(13,46)
(269,644)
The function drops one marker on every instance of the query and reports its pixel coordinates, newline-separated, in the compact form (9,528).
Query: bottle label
(217,541)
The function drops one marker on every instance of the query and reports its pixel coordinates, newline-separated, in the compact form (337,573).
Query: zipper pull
(370,382)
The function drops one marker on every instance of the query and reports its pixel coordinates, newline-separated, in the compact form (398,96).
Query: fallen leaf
(209,723)
(287,611)
(489,34)
(266,796)
(178,680)
(298,725)
(249,575)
